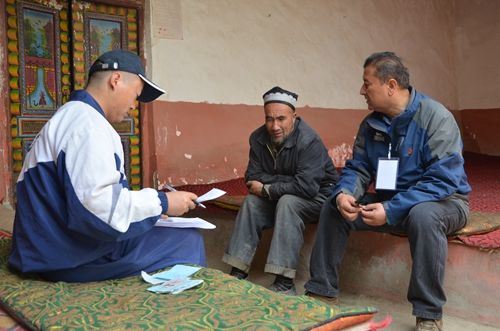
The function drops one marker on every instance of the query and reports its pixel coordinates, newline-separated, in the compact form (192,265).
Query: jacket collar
(383,123)
(85,97)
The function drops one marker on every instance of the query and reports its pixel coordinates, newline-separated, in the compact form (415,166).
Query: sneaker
(278,288)
(238,273)
(334,301)
(428,325)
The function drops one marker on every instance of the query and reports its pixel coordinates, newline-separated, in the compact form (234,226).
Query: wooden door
(51,45)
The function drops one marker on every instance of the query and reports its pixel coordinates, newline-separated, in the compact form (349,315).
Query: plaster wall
(233,51)
(229,52)
(477,35)
(200,143)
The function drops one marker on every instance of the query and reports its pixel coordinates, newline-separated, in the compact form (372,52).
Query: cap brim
(150,91)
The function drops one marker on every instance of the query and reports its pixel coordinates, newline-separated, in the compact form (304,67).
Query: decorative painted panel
(39,53)
(47,60)
(98,28)
(37,57)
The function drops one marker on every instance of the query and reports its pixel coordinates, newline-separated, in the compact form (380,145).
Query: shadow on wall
(480,129)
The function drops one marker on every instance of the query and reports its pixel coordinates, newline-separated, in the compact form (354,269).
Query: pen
(172,189)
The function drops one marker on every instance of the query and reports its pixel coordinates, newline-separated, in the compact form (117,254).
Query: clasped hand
(372,214)
(255,187)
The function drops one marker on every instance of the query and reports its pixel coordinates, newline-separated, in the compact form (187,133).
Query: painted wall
(478,74)
(201,143)
(217,57)
(477,36)
(5,161)
(232,51)
(227,53)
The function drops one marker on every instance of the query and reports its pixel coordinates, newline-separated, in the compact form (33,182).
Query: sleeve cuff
(164,201)
(265,191)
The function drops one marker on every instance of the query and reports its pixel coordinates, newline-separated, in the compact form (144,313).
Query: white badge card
(387,173)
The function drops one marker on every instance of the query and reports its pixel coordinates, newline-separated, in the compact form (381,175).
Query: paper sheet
(177,271)
(210,195)
(185,222)
(172,281)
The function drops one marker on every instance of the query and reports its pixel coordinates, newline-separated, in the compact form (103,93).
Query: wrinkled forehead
(278,109)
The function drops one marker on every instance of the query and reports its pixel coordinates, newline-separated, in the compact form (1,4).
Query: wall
(5,161)
(201,143)
(230,52)
(478,75)
(227,53)
(477,35)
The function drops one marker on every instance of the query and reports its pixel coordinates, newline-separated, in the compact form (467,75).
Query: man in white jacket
(76,218)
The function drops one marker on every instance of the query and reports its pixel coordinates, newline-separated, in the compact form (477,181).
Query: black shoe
(283,290)
(238,273)
(328,300)
(283,285)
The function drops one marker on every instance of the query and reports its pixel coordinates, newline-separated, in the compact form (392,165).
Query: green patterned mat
(220,303)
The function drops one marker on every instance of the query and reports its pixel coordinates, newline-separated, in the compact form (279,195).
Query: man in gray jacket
(289,176)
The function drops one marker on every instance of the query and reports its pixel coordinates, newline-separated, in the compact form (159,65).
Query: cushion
(221,302)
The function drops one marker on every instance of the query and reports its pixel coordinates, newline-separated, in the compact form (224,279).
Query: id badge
(387,173)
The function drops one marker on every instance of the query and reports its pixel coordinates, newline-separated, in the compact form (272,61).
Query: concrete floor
(217,239)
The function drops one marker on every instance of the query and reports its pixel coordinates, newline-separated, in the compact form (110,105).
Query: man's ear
(393,85)
(114,78)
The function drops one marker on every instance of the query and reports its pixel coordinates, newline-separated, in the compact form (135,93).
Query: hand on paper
(180,202)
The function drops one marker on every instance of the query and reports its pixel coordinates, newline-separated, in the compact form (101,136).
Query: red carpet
(490,240)
(483,172)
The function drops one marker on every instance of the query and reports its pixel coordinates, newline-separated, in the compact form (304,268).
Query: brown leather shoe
(428,325)
(334,301)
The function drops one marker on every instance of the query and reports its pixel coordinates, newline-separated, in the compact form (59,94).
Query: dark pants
(426,225)
(288,216)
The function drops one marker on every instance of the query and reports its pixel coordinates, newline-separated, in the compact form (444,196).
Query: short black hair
(389,66)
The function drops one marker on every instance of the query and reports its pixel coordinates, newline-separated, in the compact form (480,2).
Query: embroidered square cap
(127,61)
(279,95)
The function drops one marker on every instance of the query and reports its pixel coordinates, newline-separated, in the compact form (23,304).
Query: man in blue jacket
(76,218)
(289,176)
(410,147)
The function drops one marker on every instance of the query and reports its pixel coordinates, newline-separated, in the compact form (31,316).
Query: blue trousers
(288,216)
(426,226)
(159,248)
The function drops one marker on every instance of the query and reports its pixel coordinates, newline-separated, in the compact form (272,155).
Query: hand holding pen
(172,189)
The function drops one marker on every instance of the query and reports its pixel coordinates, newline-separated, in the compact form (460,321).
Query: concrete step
(378,264)
(376,272)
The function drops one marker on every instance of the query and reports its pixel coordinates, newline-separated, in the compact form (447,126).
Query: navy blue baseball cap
(130,62)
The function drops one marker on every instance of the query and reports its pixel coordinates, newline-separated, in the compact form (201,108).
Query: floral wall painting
(39,59)
(105,35)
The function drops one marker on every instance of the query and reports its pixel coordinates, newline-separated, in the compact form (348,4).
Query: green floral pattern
(220,303)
